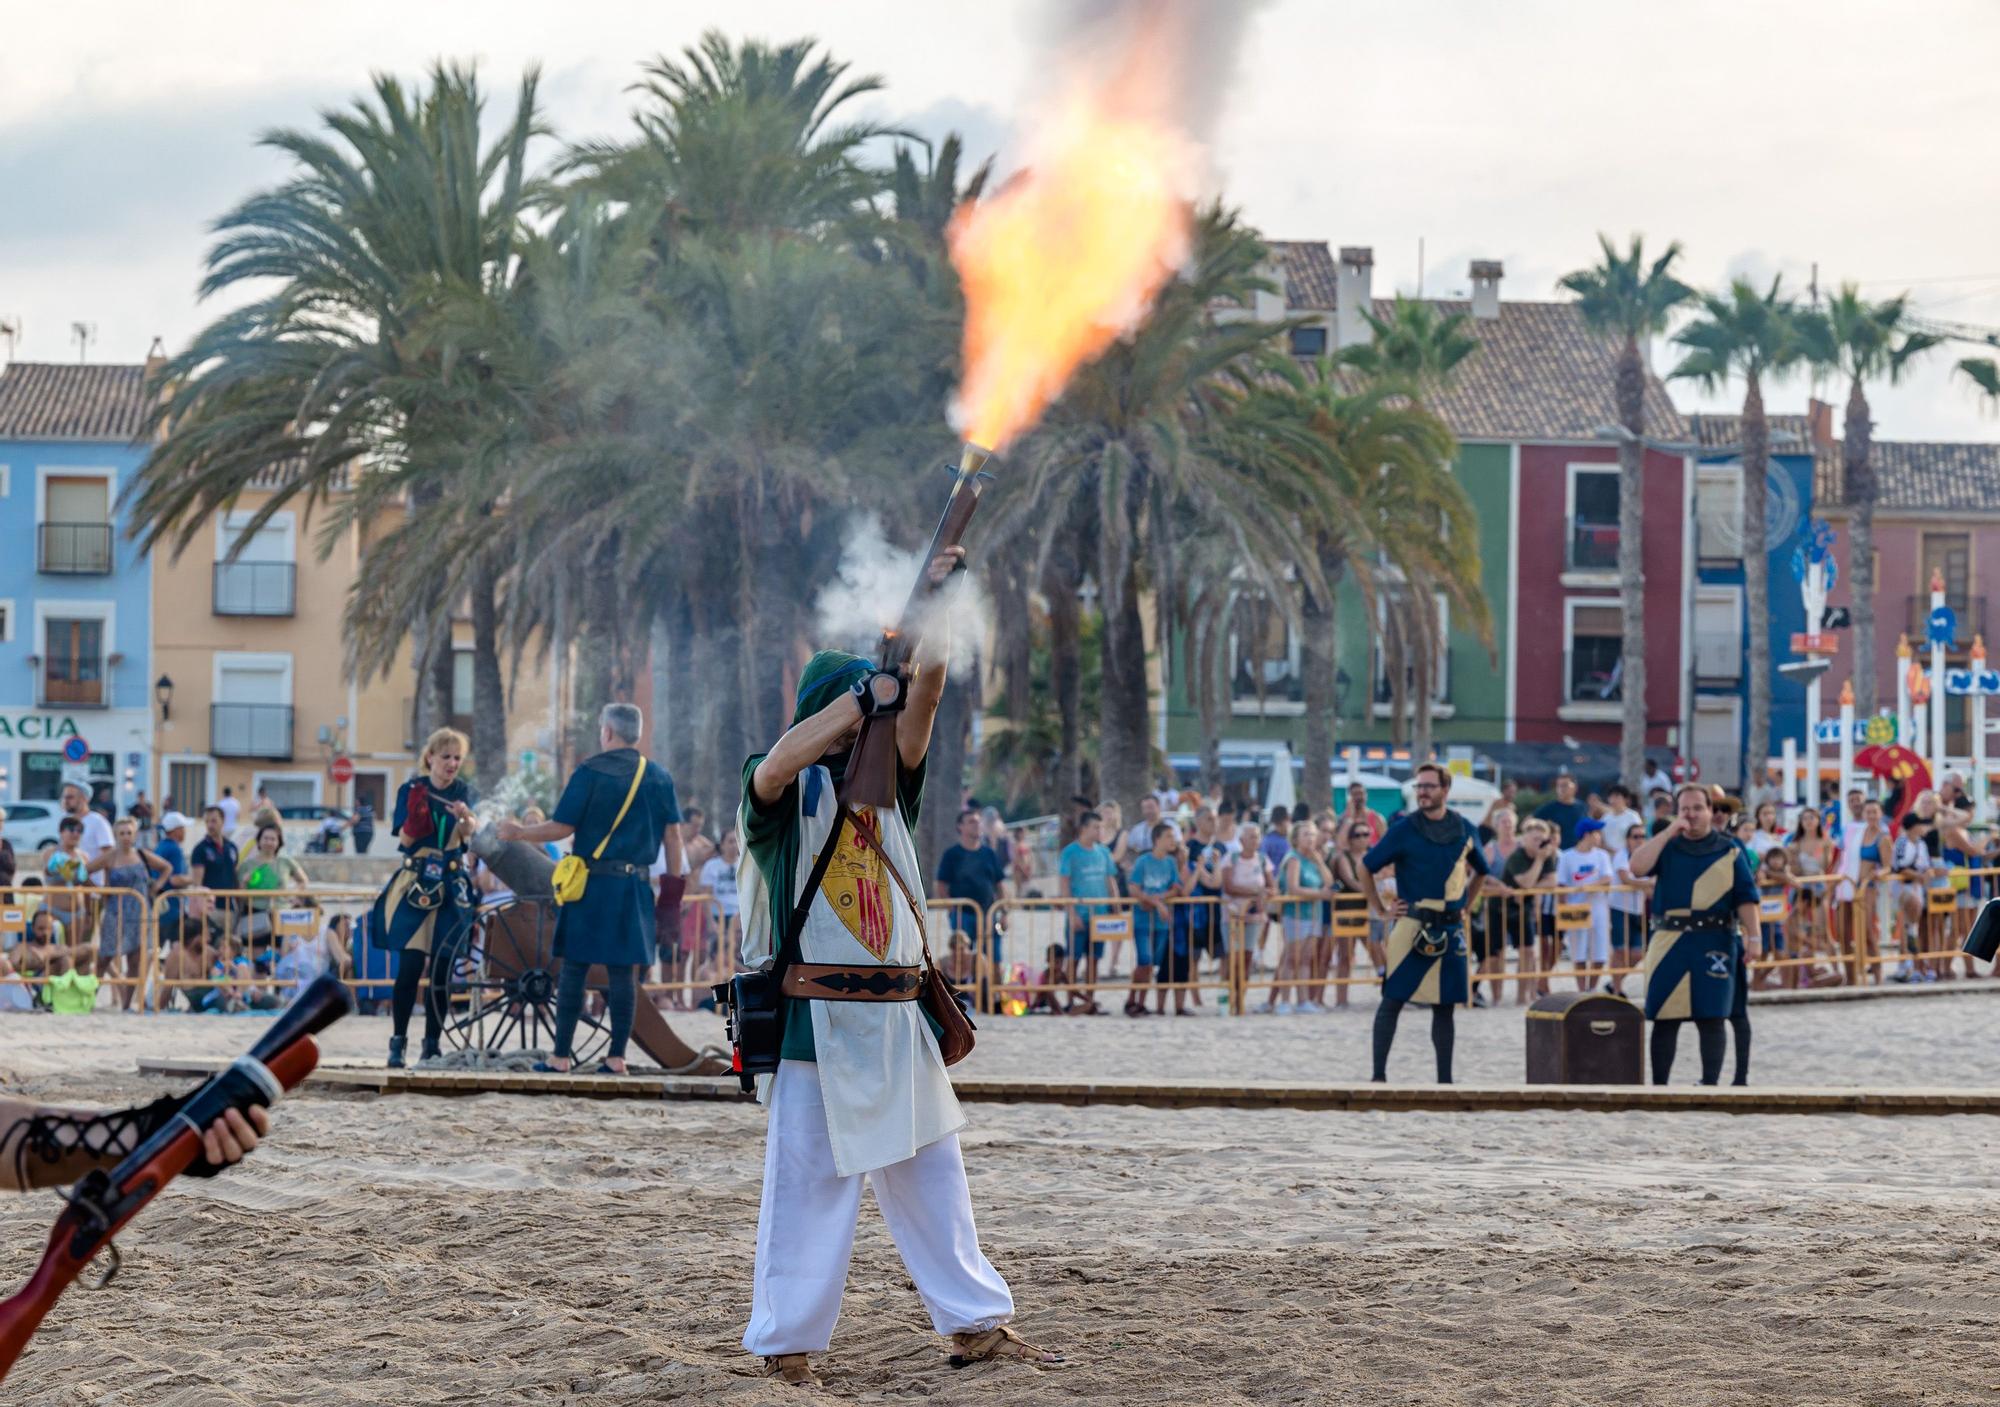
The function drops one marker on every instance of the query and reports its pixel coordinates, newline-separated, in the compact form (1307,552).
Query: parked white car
(31,825)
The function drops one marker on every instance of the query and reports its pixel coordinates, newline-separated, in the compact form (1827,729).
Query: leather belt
(616,867)
(814,981)
(1700,923)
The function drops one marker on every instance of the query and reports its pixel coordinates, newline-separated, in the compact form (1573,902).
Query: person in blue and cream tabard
(861,1090)
(620,811)
(1706,917)
(1440,868)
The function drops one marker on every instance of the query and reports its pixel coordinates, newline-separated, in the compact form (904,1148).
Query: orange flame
(1069,255)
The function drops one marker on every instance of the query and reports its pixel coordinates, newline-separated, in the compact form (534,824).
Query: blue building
(75,596)
(1719,729)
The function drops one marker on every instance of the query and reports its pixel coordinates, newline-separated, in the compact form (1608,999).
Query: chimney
(1352,296)
(1819,423)
(1268,305)
(1486,288)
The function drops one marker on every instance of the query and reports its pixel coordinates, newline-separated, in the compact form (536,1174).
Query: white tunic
(882,1079)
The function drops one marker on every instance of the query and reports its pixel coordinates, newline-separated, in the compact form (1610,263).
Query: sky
(1768,138)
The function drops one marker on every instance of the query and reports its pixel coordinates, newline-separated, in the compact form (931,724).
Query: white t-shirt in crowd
(718,876)
(1580,867)
(230,808)
(1618,827)
(1139,839)
(1625,901)
(96,840)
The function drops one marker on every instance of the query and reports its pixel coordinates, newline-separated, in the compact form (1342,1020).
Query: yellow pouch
(572,873)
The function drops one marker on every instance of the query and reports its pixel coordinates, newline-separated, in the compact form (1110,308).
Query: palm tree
(1862,341)
(1630,300)
(328,374)
(1753,335)
(1416,344)
(1984,373)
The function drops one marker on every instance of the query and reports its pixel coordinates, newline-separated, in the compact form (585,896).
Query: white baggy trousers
(805,1229)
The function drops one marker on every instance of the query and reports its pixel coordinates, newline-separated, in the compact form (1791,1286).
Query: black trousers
(621,999)
(411,968)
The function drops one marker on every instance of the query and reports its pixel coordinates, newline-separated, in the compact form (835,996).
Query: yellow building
(253,689)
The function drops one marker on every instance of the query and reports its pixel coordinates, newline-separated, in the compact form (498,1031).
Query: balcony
(256,589)
(74,549)
(1593,547)
(1917,616)
(250,730)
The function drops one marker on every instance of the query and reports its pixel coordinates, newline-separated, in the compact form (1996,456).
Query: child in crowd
(1584,875)
(1086,870)
(1628,915)
(72,986)
(1774,884)
(66,870)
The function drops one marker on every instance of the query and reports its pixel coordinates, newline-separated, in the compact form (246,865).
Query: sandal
(1003,1342)
(792,1368)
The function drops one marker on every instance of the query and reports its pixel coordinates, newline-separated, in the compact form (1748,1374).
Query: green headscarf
(828,675)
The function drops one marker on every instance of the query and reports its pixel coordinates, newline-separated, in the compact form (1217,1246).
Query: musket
(871,771)
(102,1203)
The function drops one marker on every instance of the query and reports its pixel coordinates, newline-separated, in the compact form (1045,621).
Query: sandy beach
(506,1249)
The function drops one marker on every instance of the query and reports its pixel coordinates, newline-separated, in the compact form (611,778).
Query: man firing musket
(829,878)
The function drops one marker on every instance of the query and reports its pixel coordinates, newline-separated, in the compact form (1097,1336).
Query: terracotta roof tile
(1539,374)
(1311,282)
(61,401)
(1920,477)
(1726,432)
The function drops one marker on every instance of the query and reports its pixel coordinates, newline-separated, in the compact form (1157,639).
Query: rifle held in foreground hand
(102,1203)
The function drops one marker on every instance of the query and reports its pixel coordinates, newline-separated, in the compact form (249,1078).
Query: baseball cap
(171,822)
(1587,825)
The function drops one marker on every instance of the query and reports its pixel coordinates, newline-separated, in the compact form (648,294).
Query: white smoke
(871,587)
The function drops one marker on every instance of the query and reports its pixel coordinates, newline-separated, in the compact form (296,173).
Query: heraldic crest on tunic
(857,886)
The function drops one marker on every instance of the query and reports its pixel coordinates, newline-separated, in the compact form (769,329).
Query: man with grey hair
(617,809)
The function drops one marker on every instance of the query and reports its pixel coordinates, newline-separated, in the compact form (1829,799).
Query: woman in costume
(1706,920)
(428,903)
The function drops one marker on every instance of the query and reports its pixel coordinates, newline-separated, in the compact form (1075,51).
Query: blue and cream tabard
(1695,953)
(432,893)
(1437,862)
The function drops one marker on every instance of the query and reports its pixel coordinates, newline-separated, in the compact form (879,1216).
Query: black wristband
(879,692)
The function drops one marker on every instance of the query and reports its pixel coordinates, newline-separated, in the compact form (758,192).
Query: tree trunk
(489,690)
(1066,676)
(1423,610)
(1124,738)
(1318,660)
(1211,627)
(1631,395)
(1396,666)
(1859,471)
(668,721)
(441,668)
(944,777)
(1757,583)
(1014,638)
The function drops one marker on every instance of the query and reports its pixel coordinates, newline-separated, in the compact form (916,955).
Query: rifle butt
(871,768)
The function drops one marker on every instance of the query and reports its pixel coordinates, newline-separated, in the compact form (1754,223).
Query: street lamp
(163,692)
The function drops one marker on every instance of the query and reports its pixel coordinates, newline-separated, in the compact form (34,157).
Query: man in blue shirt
(1156,879)
(173,829)
(1086,870)
(970,870)
(1565,813)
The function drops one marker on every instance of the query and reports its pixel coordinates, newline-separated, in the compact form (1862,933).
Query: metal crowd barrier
(227,949)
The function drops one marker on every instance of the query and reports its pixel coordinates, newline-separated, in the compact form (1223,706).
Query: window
(75,528)
(1390,627)
(188,785)
(252,712)
(1718,634)
(1308,341)
(73,662)
(1718,511)
(255,573)
(461,683)
(1594,647)
(6,481)
(1593,518)
(6,622)
(289,791)
(1264,666)
(1950,555)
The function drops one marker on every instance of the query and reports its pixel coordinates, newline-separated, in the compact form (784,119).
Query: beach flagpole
(1789,791)
(1941,629)
(1846,746)
(1976,707)
(1906,729)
